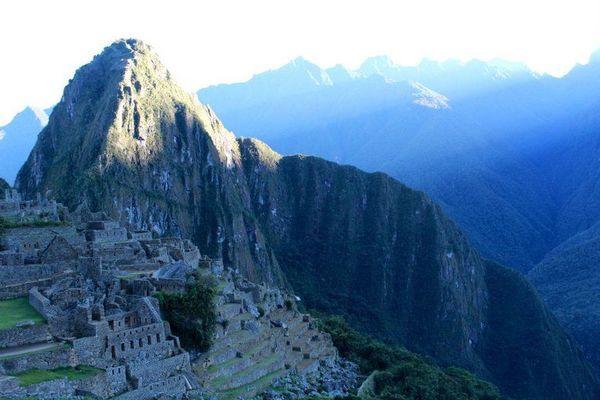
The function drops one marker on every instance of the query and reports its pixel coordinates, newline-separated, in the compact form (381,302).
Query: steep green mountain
(393,370)
(127,139)
(17,139)
(568,279)
(396,267)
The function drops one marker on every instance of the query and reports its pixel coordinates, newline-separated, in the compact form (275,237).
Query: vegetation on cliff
(398,374)
(192,314)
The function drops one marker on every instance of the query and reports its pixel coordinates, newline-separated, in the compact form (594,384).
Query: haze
(213,42)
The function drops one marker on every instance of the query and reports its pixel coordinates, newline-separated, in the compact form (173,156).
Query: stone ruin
(92,280)
(13,206)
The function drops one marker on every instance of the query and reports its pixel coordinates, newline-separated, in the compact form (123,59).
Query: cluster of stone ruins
(93,281)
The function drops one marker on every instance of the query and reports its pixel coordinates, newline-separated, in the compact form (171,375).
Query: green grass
(16,310)
(34,376)
(8,223)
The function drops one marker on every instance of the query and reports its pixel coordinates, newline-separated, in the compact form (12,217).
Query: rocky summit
(127,140)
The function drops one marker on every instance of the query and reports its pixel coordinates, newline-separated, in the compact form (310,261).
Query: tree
(192,313)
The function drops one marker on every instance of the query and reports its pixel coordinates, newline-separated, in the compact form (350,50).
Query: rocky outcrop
(126,139)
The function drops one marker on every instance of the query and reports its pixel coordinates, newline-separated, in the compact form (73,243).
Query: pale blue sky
(203,43)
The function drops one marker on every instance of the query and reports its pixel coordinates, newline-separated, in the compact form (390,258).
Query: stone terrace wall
(60,357)
(56,389)
(147,373)
(172,386)
(105,384)
(25,335)
(26,273)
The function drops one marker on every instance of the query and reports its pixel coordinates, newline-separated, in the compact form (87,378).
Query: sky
(204,43)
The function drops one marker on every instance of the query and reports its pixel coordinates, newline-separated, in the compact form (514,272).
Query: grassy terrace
(8,223)
(17,310)
(217,382)
(34,376)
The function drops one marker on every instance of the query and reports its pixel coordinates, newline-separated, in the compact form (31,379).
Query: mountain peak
(126,54)
(29,114)
(376,64)
(115,109)
(595,57)
(126,48)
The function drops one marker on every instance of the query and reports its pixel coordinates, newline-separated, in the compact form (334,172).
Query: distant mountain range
(126,139)
(17,139)
(512,156)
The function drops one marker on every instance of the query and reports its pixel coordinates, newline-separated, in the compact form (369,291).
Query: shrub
(289,305)
(192,313)
(402,375)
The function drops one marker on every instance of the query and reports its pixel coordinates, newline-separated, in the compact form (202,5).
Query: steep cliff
(127,139)
(386,257)
(366,245)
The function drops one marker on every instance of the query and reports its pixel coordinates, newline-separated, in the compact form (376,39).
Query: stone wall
(55,389)
(22,289)
(25,335)
(14,274)
(174,386)
(90,267)
(39,302)
(10,257)
(147,373)
(105,384)
(108,235)
(59,357)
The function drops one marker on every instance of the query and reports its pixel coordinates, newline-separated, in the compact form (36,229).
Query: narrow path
(30,348)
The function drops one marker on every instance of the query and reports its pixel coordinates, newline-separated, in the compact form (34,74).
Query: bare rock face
(126,139)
